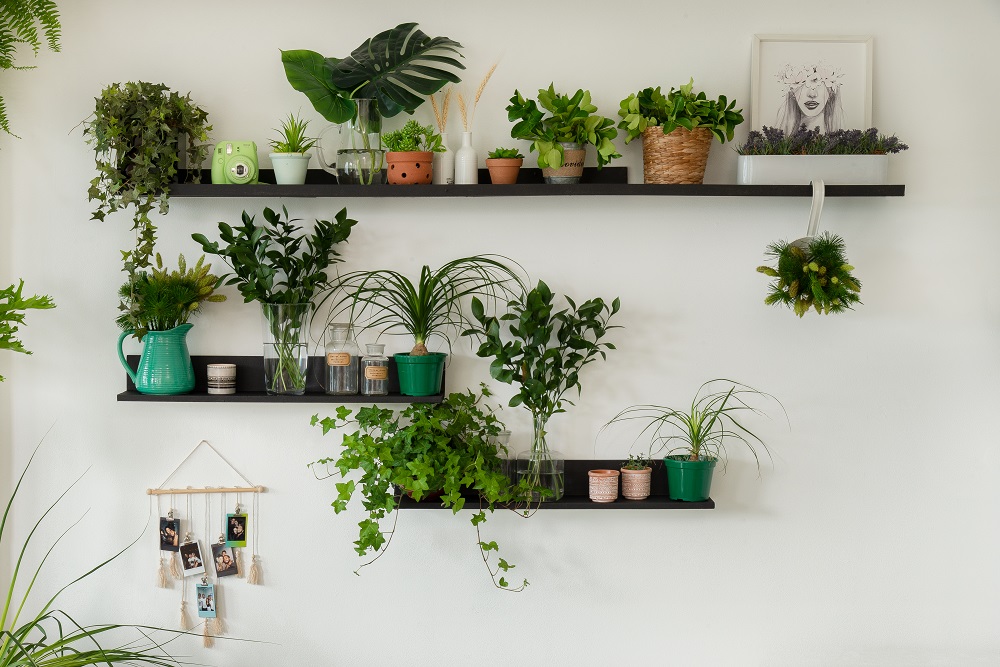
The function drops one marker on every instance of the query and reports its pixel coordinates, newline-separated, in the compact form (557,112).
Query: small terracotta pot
(603,485)
(635,483)
(410,168)
(503,170)
(572,167)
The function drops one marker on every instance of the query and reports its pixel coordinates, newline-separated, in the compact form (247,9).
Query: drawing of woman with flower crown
(811,97)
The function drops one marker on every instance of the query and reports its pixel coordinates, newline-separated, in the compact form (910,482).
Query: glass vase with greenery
(13,304)
(278,266)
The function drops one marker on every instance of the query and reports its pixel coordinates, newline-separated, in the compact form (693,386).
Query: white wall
(872,539)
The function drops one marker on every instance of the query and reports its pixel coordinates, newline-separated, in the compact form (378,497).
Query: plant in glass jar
(277,265)
(543,351)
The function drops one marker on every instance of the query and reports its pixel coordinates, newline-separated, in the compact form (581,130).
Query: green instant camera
(235,162)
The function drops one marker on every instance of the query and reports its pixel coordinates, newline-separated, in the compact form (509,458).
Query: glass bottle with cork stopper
(375,371)
(342,361)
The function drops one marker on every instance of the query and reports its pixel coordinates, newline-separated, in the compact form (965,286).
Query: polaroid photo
(191,560)
(236,530)
(225,560)
(170,530)
(206,601)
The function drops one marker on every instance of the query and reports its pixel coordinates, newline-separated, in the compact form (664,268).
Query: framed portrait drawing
(822,82)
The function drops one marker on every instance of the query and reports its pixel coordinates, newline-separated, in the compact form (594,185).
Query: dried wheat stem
(444,112)
(462,110)
(482,85)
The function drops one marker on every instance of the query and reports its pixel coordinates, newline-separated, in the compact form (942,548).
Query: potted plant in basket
(504,165)
(561,137)
(386,75)
(543,352)
(411,150)
(290,156)
(677,130)
(278,266)
(812,273)
(139,132)
(384,299)
(636,477)
(156,308)
(443,450)
(772,157)
(13,303)
(701,433)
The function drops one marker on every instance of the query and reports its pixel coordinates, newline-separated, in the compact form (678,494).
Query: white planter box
(800,169)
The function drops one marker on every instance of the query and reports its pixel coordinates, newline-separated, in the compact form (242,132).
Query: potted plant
(138,133)
(543,351)
(561,137)
(696,438)
(388,74)
(156,308)
(278,266)
(504,165)
(637,475)
(812,275)
(677,152)
(447,450)
(432,307)
(290,156)
(772,157)
(411,149)
(28,23)
(13,304)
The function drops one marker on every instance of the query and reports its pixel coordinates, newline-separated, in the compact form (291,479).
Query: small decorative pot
(504,170)
(290,168)
(410,167)
(572,167)
(635,483)
(603,485)
(678,157)
(689,480)
(221,379)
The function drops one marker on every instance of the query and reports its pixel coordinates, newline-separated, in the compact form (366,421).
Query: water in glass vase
(542,468)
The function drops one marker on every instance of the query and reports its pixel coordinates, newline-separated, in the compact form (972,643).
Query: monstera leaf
(394,68)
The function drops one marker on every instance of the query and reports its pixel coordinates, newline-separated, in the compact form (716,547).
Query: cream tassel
(254,577)
(161,574)
(175,571)
(239,563)
(218,627)
(184,619)
(207,640)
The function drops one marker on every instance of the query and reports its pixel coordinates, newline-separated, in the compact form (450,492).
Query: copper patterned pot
(603,485)
(635,483)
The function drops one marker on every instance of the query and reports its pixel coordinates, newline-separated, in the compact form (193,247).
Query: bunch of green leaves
(678,108)
(293,136)
(397,68)
(275,262)
(817,277)
(160,300)
(774,141)
(413,137)
(387,300)
(702,430)
(30,22)
(50,637)
(636,462)
(136,132)
(546,348)
(570,120)
(450,447)
(505,154)
(13,303)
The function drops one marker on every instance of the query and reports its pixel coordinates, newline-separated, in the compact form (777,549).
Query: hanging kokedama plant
(817,276)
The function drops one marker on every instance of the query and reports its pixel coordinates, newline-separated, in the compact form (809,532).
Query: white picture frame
(792,74)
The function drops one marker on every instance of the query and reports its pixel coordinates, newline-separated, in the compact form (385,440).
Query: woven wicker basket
(678,157)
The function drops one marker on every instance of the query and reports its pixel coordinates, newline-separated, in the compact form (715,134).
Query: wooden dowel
(189,491)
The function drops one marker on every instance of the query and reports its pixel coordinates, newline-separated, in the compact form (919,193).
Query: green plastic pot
(690,481)
(422,375)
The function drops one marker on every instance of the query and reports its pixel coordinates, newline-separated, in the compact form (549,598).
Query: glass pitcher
(360,158)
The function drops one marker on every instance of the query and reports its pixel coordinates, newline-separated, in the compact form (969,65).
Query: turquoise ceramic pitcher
(165,365)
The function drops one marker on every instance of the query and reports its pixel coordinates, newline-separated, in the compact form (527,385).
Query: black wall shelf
(577,492)
(250,385)
(610,181)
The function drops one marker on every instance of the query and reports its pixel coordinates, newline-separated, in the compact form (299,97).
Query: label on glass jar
(338,359)
(376,372)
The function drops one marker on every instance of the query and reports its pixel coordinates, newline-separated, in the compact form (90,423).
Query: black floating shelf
(250,386)
(608,181)
(577,492)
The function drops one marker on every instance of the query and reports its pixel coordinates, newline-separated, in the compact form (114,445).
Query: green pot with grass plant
(290,152)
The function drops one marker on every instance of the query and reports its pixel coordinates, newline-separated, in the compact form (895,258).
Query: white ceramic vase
(466,162)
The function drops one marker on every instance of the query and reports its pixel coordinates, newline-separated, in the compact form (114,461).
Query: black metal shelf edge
(580,503)
(263,397)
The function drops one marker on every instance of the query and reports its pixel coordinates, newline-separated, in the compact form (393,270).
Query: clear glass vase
(361,159)
(544,469)
(286,349)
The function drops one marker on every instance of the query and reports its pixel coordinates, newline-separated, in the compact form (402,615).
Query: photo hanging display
(191,559)
(170,530)
(225,560)
(206,601)
(236,530)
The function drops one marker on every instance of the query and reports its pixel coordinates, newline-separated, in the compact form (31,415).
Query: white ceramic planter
(801,169)
(290,168)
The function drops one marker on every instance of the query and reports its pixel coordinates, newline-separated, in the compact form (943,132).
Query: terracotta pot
(503,170)
(410,167)
(635,483)
(603,485)
(572,167)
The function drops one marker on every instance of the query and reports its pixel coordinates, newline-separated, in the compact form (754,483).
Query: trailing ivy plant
(13,305)
(31,22)
(679,108)
(136,131)
(570,120)
(816,277)
(413,137)
(450,448)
